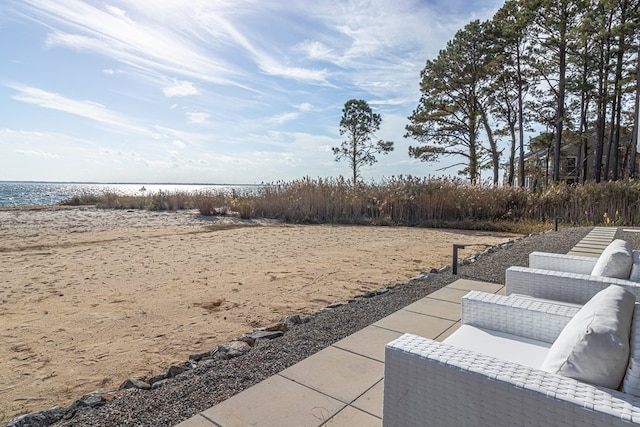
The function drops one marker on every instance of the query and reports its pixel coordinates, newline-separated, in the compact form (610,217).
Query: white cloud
(283,118)
(315,50)
(180,88)
(258,66)
(137,37)
(87,109)
(32,153)
(197,117)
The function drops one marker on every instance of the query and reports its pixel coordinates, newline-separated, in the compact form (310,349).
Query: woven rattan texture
(435,384)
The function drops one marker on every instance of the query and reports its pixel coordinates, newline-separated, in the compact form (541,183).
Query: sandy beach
(91,297)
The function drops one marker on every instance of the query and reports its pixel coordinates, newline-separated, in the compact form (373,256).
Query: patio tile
(595,239)
(414,323)
(371,401)
(586,252)
(588,245)
(275,401)
(369,342)
(353,417)
(338,373)
(437,308)
(474,285)
(449,294)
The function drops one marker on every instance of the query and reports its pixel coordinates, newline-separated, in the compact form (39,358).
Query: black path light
(557,220)
(454,265)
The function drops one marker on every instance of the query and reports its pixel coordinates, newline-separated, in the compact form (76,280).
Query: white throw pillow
(635,269)
(594,346)
(615,261)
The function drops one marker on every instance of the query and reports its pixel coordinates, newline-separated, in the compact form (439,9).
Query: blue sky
(210,91)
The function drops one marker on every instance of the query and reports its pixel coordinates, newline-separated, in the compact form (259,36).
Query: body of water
(14,193)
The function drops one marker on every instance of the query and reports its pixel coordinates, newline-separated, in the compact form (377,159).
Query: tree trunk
(473,152)
(562,71)
(618,90)
(520,121)
(603,87)
(636,121)
(512,154)
(495,155)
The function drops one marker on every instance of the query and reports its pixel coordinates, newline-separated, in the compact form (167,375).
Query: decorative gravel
(199,389)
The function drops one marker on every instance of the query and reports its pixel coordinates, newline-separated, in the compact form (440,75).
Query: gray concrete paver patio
(342,385)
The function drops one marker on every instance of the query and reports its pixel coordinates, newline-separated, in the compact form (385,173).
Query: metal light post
(454,265)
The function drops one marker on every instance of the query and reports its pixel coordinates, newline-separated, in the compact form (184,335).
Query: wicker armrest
(562,262)
(516,315)
(561,286)
(431,383)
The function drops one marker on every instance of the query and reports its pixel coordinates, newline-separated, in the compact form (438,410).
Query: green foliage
(359,123)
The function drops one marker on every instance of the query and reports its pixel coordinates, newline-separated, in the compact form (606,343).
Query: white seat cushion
(615,261)
(500,345)
(631,383)
(635,268)
(594,346)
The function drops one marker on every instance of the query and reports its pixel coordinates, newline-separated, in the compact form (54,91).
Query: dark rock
(134,382)
(199,356)
(160,377)
(420,276)
(263,335)
(91,400)
(248,339)
(176,370)
(232,349)
(38,419)
(293,320)
(434,271)
(280,326)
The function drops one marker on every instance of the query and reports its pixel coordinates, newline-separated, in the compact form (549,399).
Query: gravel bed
(199,389)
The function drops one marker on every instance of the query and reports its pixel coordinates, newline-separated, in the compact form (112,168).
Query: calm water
(48,193)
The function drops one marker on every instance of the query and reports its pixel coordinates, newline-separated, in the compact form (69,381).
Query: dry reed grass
(407,200)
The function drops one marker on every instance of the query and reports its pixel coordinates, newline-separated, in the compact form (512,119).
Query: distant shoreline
(128,183)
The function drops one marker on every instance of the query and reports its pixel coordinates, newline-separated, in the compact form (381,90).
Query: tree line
(567,70)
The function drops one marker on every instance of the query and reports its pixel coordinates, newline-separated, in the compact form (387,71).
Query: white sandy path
(91,297)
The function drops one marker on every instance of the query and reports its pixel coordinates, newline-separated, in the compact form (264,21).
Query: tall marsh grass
(407,200)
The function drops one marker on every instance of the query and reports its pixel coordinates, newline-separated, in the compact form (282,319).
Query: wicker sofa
(565,277)
(439,384)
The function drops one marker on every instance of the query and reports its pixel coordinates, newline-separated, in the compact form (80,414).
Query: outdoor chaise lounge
(576,278)
(495,370)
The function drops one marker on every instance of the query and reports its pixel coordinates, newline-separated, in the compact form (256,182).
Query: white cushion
(594,346)
(635,269)
(501,345)
(615,261)
(631,383)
